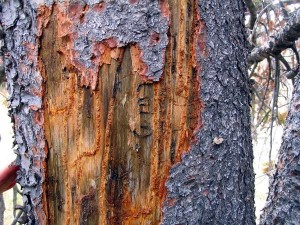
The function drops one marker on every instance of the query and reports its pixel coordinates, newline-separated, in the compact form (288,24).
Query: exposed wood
(110,149)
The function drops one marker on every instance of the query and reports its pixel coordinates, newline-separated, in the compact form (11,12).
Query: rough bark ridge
(214,183)
(25,90)
(283,205)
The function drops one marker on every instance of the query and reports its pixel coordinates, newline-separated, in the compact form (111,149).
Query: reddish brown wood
(110,149)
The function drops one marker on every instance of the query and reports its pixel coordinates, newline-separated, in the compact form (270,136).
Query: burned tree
(131,111)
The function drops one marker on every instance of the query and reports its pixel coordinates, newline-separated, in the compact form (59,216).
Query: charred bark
(283,206)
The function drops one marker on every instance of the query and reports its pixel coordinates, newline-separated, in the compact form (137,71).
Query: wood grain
(110,149)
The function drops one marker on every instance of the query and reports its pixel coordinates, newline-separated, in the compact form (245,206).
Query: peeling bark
(92,27)
(283,205)
(110,146)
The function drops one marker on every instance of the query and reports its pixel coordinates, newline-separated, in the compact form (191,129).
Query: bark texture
(214,183)
(26,91)
(97,135)
(2,209)
(283,206)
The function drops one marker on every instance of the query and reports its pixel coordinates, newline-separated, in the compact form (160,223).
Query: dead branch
(283,40)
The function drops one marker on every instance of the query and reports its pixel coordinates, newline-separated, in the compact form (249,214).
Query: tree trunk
(213,184)
(107,96)
(283,206)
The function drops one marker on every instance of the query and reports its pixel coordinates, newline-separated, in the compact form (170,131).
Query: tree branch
(252,10)
(283,40)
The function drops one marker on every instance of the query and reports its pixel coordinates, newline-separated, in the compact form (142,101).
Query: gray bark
(214,183)
(25,91)
(2,35)
(283,205)
(2,209)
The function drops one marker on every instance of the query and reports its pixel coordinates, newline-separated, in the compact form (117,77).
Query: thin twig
(263,119)
(268,83)
(252,36)
(284,11)
(274,105)
(285,63)
(14,222)
(260,98)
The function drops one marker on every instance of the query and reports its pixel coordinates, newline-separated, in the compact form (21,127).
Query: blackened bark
(214,183)
(283,206)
